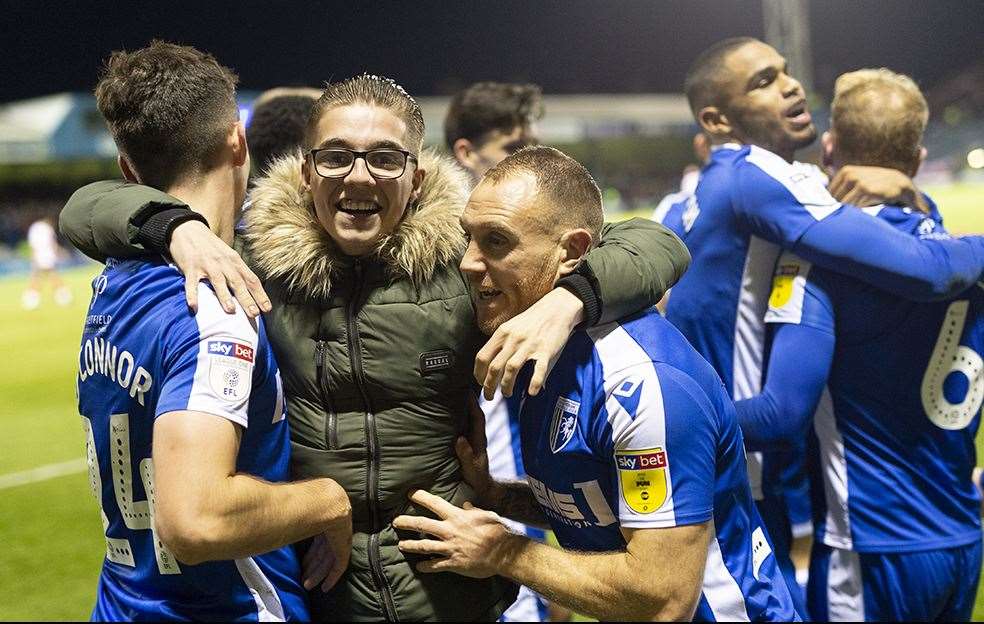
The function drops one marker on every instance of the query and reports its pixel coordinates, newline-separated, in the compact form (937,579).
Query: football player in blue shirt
(897,388)
(754,200)
(632,448)
(187,444)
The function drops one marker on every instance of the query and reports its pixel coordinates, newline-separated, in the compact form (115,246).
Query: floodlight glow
(975,158)
(244,115)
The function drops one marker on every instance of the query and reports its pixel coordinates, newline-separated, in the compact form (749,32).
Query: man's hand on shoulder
(538,334)
(869,186)
(200,254)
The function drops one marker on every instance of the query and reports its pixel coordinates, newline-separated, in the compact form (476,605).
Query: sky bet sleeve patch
(642,478)
(230,369)
(788,287)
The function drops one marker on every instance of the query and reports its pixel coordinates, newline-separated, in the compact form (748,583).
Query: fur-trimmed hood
(284,239)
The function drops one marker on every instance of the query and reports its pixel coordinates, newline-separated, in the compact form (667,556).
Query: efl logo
(231,349)
(646,461)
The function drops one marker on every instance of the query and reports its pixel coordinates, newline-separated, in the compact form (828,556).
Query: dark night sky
(434,47)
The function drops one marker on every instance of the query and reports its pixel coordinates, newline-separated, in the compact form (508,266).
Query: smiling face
(765,105)
(358,210)
(512,258)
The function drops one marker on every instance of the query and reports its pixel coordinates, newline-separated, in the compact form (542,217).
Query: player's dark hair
(277,127)
(488,106)
(373,90)
(706,76)
(169,108)
(573,199)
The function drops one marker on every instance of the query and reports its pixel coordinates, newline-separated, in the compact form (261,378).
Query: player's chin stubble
(529,289)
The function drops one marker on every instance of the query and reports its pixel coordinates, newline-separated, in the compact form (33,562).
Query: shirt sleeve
(779,417)
(801,319)
(778,201)
(663,445)
(211,368)
(632,267)
(790,206)
(800,295)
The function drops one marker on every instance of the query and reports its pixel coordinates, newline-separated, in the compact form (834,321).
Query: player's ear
(574,245)
(126,170)
(922,159)
(237,141)
(464,153)
(714,122)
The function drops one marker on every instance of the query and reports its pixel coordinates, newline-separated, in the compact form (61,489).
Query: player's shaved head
(567,195)
(708,75)
(878,118)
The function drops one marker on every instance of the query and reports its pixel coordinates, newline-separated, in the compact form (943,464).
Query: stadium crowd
(280,367)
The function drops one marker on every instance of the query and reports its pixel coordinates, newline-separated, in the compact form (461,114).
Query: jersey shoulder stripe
(804,182)
(221,359)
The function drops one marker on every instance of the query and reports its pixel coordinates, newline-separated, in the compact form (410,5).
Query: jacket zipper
(372,443)
(319,362)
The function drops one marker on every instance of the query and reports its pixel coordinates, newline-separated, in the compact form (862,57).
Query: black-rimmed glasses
(383,163)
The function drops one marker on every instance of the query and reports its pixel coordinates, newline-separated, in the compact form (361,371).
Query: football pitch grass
(50,532)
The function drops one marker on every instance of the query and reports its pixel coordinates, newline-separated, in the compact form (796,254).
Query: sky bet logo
(646,461)
(231,349)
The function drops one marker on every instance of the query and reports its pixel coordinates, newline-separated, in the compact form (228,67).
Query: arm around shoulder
(104,219)
(631,268)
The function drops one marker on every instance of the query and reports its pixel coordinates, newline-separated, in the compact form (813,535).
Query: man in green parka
(357,242)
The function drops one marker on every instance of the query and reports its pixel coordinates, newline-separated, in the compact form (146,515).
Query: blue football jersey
(633,429)
(895,427)
(734,227)
(748,204)
(144,354)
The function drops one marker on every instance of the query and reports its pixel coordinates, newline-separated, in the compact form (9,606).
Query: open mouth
(358,207)
(798,113)
(487,294)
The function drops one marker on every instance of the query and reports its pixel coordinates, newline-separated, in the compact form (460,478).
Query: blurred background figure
(491,120)
(689,179)
(45,253)
(276,125)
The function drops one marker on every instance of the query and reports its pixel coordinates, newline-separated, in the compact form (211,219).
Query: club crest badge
(564,423)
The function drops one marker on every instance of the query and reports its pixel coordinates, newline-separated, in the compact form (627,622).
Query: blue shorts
(924,586)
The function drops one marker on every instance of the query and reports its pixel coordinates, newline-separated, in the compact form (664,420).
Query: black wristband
(155,232)
(584,287)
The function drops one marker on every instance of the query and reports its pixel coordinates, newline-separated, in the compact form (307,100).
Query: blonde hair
(878,118)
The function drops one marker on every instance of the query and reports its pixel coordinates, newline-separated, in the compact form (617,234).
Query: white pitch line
(41,473)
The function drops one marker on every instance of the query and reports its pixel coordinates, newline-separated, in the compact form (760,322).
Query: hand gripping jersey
(144,354)
(896,425)
(633,429)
